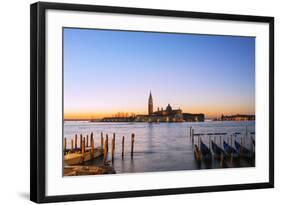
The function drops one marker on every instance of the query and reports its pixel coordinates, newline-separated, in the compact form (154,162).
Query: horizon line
(91,116)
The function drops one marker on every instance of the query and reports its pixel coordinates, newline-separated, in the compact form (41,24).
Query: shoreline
(78,120)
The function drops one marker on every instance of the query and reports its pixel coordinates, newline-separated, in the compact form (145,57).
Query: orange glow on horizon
(210,112)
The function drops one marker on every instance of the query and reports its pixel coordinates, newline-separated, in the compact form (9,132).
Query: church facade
(167,115)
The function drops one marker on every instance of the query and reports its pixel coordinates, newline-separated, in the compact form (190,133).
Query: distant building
(237,117)
(161,115)
(150,104)
(189,117)
(118,119)
(169,111)
(167,115)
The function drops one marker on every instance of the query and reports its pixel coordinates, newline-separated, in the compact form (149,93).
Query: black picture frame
(38,97)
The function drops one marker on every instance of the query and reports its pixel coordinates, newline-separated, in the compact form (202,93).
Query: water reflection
(158,147)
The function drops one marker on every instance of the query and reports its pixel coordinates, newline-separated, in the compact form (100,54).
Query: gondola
(243,151)
(218,152)
(206,152)
(197,153)
(230,151)
(253,141)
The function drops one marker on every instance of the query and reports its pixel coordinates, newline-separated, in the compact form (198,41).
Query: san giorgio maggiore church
(167,115)
(161,115)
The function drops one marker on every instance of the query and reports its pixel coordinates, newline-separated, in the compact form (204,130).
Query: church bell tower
(150,104)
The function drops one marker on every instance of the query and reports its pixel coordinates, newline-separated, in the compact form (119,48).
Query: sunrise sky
(106,72)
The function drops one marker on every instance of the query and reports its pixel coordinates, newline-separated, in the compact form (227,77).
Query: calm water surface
(158,147)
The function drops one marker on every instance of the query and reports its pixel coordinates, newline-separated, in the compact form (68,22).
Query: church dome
(169,108)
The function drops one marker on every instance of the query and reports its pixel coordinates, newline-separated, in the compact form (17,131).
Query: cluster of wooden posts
(225,149)
(229,139)
(87,144)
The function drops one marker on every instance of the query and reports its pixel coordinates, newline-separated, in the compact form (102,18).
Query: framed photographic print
(129,102)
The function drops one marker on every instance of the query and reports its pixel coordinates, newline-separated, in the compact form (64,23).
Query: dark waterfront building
(237,117)
(118,119)
(161,115)
(189,117)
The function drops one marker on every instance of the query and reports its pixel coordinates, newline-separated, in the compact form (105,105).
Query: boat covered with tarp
(230,151)
(206,152)
(243,151)
(218,152)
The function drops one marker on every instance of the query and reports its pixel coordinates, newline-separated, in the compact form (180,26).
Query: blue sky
(109,71)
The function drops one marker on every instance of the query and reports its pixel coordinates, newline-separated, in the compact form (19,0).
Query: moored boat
(197,153)
(230,151)
(73,159)
(78,158)
(253,141)
(206,152)
(218,152)
(243,151)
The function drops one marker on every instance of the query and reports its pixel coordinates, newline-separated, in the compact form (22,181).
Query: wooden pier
(89,151)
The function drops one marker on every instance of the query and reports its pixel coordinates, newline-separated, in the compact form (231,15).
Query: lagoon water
(159,146)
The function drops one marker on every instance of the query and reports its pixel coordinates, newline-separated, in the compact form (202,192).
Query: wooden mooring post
(190,132)
(75,142)
(123,142)
(209,142)
(192,136)
(106,142)
(132,144)
(87,142)
(112,147)
(81,141)
(101,140)
(91,138)
(83,147)
(71,144)
(105,150)
(92,146)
